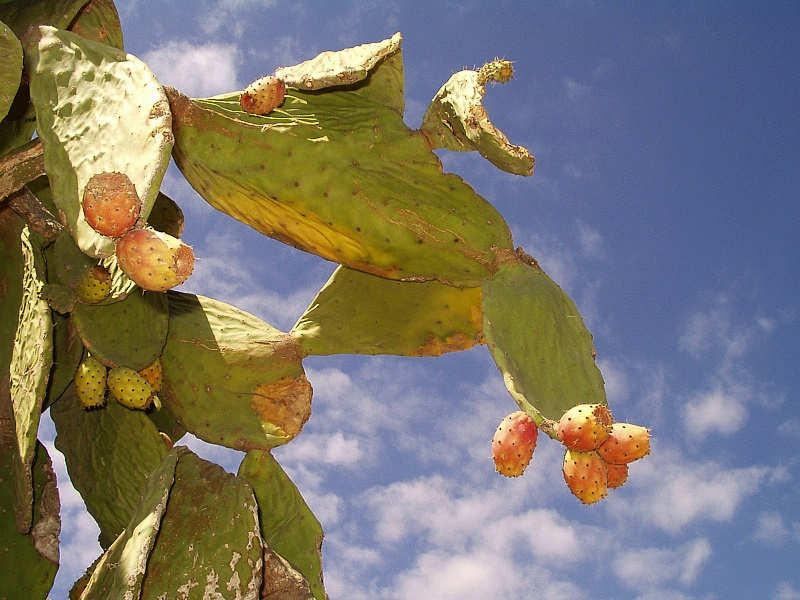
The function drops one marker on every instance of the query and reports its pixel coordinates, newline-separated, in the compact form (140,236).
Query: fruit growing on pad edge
(513,444)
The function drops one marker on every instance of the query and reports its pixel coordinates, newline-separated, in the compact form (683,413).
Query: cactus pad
(457,120)
(26,353)
(166,216)
(218,548)
(339,174)
(129,333)
(287,524)
(109,455)
(10,68)
(539,342)
(28,562)
(358,313)
(113,577)
(230,378)
(81,89)
(67,353)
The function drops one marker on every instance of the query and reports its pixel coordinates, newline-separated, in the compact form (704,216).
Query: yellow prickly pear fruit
(497,70)
(154,374)
(617,475)
(585,426)
(129,388)
(626,443)
(90,383)
(94,286)
(513,444)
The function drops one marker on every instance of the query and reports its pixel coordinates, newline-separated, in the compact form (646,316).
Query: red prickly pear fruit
(90,383)
(586,475)
(617,475)
(153,374)
(626,443)
(94,285)
(513,444)
(110,204)
(155,261)
(129,388)
(585,426)
(263,95)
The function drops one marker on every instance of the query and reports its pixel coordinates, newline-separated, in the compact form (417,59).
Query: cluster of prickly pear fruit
(401,288)
(598,450)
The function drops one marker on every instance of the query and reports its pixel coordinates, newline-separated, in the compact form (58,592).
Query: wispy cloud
(642,568)
(197,70)
(717,410)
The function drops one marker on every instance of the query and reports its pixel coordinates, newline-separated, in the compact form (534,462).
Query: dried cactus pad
(81,90)
(358,313)
(26,351)
(457,120)
(338,173)
(539,342)
(230,378)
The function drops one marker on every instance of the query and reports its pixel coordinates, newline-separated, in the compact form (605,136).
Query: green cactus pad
(28,562)
(129,333)
(10,67)
(67,353)
(287,524)
(120,571)
(457,120)
(218,548)
(109,453)
(539,342)
(166,216)
(96,20)
(358,313)
(81,91)
(230,378)
(26,353)
(337,173)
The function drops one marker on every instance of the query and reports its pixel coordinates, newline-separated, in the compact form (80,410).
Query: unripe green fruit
(94,286)
(129,388)
(90,383)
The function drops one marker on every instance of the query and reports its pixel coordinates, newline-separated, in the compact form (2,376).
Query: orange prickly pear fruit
(513,444)
(155,261)
(153,374)
(626,443)
(617,475)
(263,95)
(586,475)
(110,204)
(585,426)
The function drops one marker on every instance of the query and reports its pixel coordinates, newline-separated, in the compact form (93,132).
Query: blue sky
(664,201)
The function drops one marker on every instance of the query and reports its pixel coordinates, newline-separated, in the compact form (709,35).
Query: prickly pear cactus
(315,155)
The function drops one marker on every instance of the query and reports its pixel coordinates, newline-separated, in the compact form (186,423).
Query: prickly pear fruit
(263,95)
(617,475)
(129,388)
(586,474)
(154,260)
(626,443)
(94,286)
(90,383)
(585,426)
(111,204)
(513,444)
(153,374)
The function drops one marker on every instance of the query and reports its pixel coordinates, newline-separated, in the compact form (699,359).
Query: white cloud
(575,89)
(790,427)
(642,568)
(772,529)
(616,380)
(786,591)
(591,241)
(197,70)
(715,411)
(670,492)
(336,449)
